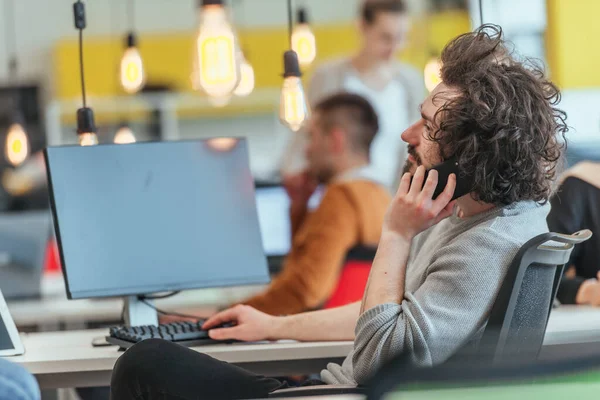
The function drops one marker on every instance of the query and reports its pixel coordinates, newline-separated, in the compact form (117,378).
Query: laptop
(10,342)
(23,240)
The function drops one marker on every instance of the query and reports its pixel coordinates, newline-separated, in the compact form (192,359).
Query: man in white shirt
(394,89)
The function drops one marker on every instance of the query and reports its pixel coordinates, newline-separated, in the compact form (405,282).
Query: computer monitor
(154,217)
(24,239)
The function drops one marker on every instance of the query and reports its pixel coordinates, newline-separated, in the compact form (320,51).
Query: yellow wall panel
(168,57)
(571,43)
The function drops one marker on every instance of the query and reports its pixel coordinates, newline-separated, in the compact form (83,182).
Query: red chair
(351,285)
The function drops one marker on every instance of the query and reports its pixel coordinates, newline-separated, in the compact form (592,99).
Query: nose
(412,134)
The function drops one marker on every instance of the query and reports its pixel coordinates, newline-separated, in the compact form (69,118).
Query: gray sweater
(454,272)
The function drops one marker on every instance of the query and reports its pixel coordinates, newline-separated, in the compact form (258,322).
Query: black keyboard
(188,334)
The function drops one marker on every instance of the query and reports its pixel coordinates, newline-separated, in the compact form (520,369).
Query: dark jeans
(157,369)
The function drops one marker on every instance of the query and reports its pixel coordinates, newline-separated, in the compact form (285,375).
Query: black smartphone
(464,184)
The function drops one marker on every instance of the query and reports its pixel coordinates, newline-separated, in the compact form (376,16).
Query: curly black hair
(503,126)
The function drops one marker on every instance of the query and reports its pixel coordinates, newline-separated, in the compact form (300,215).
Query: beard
(408,166)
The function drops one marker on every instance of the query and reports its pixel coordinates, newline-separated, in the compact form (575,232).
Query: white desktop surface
(67,359)
(573,324)
(54,307)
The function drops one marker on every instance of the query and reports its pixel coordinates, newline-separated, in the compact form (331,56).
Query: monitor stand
(139,313)
(135,313)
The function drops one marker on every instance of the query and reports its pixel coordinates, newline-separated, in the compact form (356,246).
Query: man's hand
(251,325)
(300,188)
(589,292)
(413,210)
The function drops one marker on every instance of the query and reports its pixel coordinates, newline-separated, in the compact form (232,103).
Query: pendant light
(86,127)
(303,39)
(246,85)
(16,147)
(124,135)
(431,73)
(293,107)
(132,73)
(216,66)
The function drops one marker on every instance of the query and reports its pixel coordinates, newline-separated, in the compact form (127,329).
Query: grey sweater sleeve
(444,313)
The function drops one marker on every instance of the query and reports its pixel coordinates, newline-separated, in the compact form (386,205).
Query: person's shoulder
(331,66)
(352,191)
(361,186)
(585,171)
(407,70)
(411,78)
(514,224)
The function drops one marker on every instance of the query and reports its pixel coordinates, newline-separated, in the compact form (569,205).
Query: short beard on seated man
(439,264)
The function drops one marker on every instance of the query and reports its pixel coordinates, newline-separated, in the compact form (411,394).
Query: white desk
(54,307)
(573,324)
(67,359)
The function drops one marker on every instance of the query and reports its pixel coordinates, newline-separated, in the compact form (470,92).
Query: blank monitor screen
(152,217)
(273,206)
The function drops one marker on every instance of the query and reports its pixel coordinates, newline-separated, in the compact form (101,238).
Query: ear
(338,140)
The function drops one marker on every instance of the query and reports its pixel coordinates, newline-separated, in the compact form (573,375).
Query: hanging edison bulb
(16,148)
(86,127)
(431,73)
(303,40)
(293,107)
(222,143)
(132,73)
(124,135)
(216,65)
(246,85)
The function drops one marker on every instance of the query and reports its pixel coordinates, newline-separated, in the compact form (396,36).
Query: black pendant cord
(80,26)
(10,36)
(81,69)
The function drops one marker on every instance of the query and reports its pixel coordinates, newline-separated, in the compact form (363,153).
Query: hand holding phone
(464,184)
(414,209)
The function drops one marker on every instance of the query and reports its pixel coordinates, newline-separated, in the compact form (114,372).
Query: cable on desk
(160,296)
(174,314)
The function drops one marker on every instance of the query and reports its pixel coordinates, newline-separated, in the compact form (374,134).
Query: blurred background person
(395,89)
(576,206)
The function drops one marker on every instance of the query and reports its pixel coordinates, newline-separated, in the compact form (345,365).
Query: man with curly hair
(440,263)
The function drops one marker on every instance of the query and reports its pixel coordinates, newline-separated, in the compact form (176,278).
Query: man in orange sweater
(350,214)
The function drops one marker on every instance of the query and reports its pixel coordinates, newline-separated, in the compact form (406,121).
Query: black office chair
(518,320)
(517,324)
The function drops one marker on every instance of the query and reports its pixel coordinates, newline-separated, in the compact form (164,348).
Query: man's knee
(140,365)
(17,383)
(142,353)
